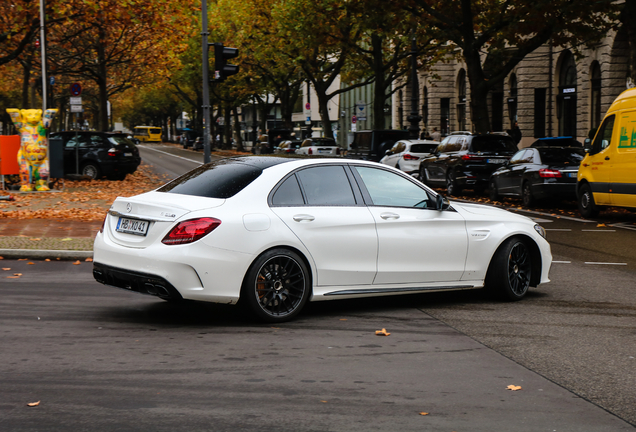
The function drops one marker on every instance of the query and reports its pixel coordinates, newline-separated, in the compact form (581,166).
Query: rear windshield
(323,142)
(493,143)
(155,131)
(423,148)
(120,139)
(219,179)
(565,156)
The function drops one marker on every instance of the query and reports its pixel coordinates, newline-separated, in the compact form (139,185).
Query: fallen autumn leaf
(513,387)
(382,332)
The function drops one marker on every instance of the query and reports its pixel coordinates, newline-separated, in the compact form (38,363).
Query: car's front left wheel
(510,271)
(277,285)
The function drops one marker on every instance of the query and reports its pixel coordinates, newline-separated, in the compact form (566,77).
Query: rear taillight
(310,151)
(469,157)
(409,157)
(190,231)
(114,152)
(550,173)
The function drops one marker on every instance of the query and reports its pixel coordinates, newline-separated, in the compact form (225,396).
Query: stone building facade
(549,93)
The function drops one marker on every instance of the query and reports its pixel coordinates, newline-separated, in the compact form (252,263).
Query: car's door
(437,166)
(509,180)
(323,207)
(417,242)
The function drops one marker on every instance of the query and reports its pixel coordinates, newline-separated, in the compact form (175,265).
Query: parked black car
(537,173)
(466,161)
(373,144)
(99,154)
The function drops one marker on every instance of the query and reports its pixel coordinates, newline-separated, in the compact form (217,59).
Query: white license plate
(496,161)
(324,151)
(132,226)
(128,154)
(572,175)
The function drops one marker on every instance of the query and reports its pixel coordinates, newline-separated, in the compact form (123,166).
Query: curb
(44,254)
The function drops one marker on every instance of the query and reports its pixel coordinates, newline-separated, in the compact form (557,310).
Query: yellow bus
(147,133)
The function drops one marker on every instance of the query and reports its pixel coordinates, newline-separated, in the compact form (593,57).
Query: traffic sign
(76,89)
(76,100)
(354,119)
(308,106)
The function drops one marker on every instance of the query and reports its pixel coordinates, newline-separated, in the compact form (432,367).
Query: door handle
(606,157)
(303,218)
(387,216)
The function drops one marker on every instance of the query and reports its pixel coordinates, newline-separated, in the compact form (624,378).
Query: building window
(445,116)
(512,100)
(566,99)
(595,103)
(461,100)
(539,112)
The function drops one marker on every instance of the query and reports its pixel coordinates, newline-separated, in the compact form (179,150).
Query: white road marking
(169,154)
(561,262)
(558,229)
(605,263)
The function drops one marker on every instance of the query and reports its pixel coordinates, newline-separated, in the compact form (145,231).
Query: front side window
(604,135)
(518,158)
(326,186)
(389,189)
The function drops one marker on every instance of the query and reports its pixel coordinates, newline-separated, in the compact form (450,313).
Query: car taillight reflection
(409,157)
(472,157)
(190,231)
(114,152)
(310,151)
(550,173)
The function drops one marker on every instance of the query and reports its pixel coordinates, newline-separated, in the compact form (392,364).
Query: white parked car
(405,155)
(319,146)
(276,232)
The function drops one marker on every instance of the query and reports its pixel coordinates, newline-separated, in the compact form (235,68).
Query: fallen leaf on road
(6,268)
(382,332)
(513,387)
(32,404)
(88,259)
(22,259)
(423,413)
(30,263)
(35,239)
(76,262)
(47,259)
(13,277)
(343,319)
(600,225)
(1,257)
(66,239)
(323,401)
(17,274)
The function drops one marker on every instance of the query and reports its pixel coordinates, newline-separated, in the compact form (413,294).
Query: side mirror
(442,203)
(388,152)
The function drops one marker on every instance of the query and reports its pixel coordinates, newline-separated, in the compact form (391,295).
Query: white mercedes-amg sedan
(275,232)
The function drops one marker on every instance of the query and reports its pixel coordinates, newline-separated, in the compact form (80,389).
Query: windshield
(493,143)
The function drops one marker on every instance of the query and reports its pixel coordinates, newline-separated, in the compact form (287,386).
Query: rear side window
(493,143)
(326,186)
(565,156)
(219,179)
(423,148)
(288,194)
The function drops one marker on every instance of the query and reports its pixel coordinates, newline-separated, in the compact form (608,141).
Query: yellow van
(607,175)
(147,133)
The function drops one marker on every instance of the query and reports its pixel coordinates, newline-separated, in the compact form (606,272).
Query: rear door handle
(606,157)
(303,218)
(387,216)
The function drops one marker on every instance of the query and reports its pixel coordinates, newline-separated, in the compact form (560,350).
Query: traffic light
(222,54)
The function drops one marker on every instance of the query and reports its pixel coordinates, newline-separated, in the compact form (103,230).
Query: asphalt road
(102,359)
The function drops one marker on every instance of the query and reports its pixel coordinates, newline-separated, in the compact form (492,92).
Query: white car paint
(403,158)
(351,251)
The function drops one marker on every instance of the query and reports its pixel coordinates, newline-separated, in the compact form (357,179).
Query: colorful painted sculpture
(32,156)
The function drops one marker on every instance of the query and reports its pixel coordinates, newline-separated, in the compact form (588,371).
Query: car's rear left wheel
(90,169)
(526,195)
(510,271)
(277,285)
(452,187)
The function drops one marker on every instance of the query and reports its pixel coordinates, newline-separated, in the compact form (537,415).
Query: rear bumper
(135,281)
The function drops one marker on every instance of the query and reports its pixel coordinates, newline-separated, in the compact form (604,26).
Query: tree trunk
(478,93)
(379,91)
(102,83)
(237,131)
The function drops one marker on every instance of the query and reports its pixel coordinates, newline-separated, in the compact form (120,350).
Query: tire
(493,192)
(277,285)
(587,206)
(91,170)
(451,184)
(510,270)
(527,198)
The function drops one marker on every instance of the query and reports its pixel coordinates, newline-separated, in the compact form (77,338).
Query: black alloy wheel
(422,175)
(510,271)
(451,184)
(587,206)
(90,169)
(277,285)
(526,195)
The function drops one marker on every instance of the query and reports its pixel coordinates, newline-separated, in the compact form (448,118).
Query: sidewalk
(46,238)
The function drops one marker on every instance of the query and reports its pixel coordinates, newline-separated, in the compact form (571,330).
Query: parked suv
(373,144)
(466,161)
(99,154)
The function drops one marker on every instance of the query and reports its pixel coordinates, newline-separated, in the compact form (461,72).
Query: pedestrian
(423,134)
(436,136)
(515,133)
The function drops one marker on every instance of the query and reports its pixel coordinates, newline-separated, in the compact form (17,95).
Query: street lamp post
(414,117)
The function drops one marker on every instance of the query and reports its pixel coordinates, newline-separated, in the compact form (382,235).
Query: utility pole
(43,52)
(206,82)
